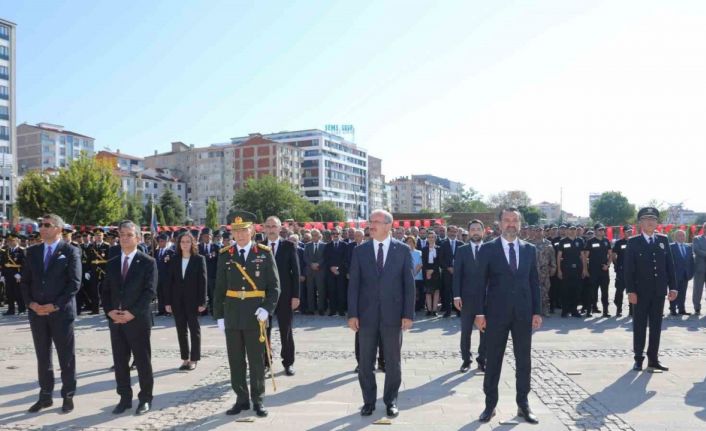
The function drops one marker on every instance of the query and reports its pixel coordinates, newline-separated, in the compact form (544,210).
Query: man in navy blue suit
(684,270)
(380,305)
(336,280)
(507,300)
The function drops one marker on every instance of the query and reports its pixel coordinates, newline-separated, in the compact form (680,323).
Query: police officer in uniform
(12,256)
(97,259)
(598,254)
(570,267)
(247,290)
(555,288)
(649,276)
(618,257)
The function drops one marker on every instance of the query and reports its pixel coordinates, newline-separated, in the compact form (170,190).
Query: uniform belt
(10,265)
(99,262)
(242,294)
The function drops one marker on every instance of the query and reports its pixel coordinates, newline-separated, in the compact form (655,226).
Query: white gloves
(87,276)
(261,314)
(221,325)
(2,279)
(18,277)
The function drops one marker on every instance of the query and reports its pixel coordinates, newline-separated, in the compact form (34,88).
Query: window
(4,51)
(4,111)
(3,91)
(4,31)
(4,71)
(155,185)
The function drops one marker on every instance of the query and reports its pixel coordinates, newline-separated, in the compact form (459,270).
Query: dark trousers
(446,294)
(210,287)
(303,299)
(419,295)
(648,312)
(381,353)
(92,292)
(599,279)
(240,342)
(161,295)
(620,292)
(570,290)
(554,296)
(316,291)
(337,292)
(284,315)
(391,345)
(497,330)
(467,320)
(14,294)
(188,326)
(134,337)
(677,306)
(56,328)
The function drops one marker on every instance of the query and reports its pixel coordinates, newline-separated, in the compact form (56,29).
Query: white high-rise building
(8,140)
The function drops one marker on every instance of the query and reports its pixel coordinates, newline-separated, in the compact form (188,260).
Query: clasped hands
(481,323)
(354,324)
(121,316)
(43,310)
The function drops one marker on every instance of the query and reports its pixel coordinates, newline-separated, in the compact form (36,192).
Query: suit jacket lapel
(54,254)
(188,267)
(132,268)
(390,250)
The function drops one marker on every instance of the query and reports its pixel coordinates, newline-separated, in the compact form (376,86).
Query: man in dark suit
(335,267)
(649,274)
(164,254)
(380,305)
(209,250)
(447,255)
(315,273)
(684,270)
(287,262)
(129,286)
(51,277)
(465,274)
(507,301)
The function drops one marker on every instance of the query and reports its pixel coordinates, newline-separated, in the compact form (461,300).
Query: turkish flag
(396,224)
(406,224)
(609,233)
(426,223)
(417,223)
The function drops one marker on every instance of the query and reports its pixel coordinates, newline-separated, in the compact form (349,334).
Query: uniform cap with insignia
(98,230)
(646,212)
(239,223)
(598,226)
(68,228)
(206,231)
(570,226)
(627,228)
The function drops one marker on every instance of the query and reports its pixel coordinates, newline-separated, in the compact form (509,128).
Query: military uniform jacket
(262,269)
(11,261)
(649,269)
(546,259)
(97,253)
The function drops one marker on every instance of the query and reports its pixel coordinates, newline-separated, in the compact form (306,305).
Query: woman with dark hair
(432,273)
(186,297)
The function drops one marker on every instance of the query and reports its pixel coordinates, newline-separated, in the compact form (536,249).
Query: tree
(612,209)
(512,198)
(87,191)
(32,195)
(134,210)
(468,201)
(212,214)
(326,211)
(172,207)
(531,215)
(700,219)
(147,212)
(267,196)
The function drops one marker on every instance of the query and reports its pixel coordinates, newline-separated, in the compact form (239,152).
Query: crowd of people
(194,275)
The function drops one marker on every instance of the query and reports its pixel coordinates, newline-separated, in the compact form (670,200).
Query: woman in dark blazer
(186,297)
(432,273)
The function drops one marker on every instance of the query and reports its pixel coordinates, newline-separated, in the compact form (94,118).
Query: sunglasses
(47,225)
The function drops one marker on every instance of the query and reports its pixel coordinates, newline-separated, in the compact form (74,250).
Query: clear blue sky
(585,95)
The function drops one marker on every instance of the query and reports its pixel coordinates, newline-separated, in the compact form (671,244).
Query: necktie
(513,258)
(242,256)
(47,258)
(273,247)
(652,241)
(683,250)
(475,252)
(380,259)
(126,263)
(316,247)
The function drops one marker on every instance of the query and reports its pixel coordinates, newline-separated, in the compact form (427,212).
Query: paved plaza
(582,379)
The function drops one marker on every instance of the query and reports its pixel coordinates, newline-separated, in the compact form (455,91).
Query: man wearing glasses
(51,277)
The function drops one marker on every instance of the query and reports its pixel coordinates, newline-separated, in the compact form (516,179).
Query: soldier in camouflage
(546,264)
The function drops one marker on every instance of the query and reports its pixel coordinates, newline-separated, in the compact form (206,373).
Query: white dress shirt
(184,264)
(129,258)
(246,248)
(385,249)
(506,249)
(647,237)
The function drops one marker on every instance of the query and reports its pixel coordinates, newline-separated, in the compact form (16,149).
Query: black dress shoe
(619,314)
(657,366)
(237,408)
(381,367)
(637,366)
(68,405)
(121,407)
(447,314)
(392,411)
(465,366)
(260,410)
(487,415)
(672,313)
(289,371)
(697,312)
(481,366)
(143,408)
(526,412)
(606,314)
(685,313)
(367,409)
(41,404)
(332,313)
(184,367)
(191,366)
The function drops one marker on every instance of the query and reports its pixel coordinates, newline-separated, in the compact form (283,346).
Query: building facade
(552,211)
(377,197)
(121,161)
(149,185)
(49,146)
(8,139)
(257,157)
(412,195)
(332,169)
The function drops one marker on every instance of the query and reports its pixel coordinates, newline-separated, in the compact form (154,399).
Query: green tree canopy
(468,201)
(133,209)
(326,211)
(32,195)
(612,209)
(212,214)
(531,214)
(267,196)
(512,198)
(172,208)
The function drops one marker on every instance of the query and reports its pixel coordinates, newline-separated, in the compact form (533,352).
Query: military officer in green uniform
(246,293)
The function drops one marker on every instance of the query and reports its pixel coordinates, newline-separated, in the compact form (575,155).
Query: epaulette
(224,249)
(264,247)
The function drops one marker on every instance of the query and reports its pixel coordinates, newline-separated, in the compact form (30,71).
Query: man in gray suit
(315,274)
(699,246)
(380,305)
